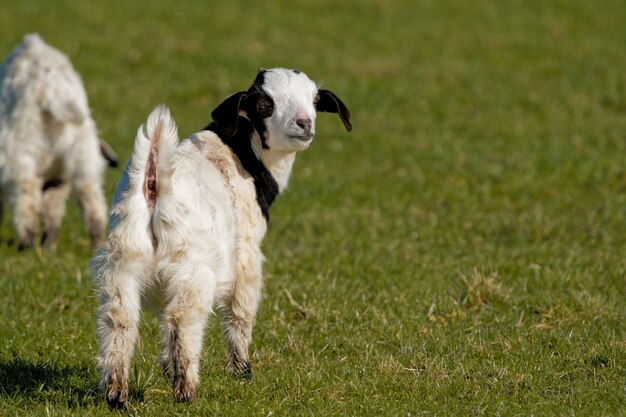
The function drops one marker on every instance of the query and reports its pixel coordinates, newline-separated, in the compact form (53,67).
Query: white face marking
(291,126)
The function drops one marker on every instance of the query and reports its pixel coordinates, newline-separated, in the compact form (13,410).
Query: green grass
(460,252)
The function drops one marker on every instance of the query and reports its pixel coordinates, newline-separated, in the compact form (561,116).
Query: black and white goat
(187,225)
(48,143)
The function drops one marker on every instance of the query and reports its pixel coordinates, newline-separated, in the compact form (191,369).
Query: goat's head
(281,105)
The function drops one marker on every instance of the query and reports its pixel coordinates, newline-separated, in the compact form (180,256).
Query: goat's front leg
(191,290)
(118,319)
(54,197)
(239,313)
(26,200)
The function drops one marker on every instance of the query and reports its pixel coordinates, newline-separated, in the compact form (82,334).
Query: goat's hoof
(49,240)
(183,393)
(116,395)
(184,390)
(246,372)
(96,236)
(117,400)
(242,370)
(27,242)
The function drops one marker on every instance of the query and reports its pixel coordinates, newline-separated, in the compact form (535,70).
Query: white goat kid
(48,143)
(187,225)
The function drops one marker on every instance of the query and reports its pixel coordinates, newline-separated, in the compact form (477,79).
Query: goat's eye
(264,107)
(316,99)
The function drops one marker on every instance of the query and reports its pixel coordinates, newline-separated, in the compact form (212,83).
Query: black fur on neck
(265,185)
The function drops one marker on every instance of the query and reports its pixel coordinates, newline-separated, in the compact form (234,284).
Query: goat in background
(49,145)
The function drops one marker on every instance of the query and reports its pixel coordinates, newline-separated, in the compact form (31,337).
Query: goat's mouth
(302,138)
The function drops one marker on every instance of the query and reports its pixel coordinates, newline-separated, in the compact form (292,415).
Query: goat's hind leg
(91,200)
(118,279)
(190,291)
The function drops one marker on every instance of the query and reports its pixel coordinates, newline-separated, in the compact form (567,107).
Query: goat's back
(194,211)
(45,122)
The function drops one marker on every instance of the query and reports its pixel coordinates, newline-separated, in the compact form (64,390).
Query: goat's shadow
(41,379)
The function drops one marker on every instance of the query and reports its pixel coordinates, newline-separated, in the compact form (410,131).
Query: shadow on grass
(78,385)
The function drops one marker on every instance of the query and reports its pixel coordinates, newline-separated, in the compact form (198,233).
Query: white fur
(47,134)
(200,248)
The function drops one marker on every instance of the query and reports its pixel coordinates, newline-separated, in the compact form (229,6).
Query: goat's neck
(278,163)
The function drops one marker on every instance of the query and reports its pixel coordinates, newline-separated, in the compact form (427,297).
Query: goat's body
(199,207)
(204,199)
(48,142)
(187,224)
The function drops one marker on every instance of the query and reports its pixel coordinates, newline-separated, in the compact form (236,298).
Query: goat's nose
(305,124)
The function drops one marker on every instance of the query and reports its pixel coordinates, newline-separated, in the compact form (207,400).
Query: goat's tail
(153,157)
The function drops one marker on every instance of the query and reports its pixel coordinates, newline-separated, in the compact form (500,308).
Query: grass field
(461,252)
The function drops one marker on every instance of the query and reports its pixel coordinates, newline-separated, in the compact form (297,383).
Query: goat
(48,144)
(187,223)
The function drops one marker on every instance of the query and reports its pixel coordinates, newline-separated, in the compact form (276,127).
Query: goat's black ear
(108,154)
(226,115)
(327,101)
